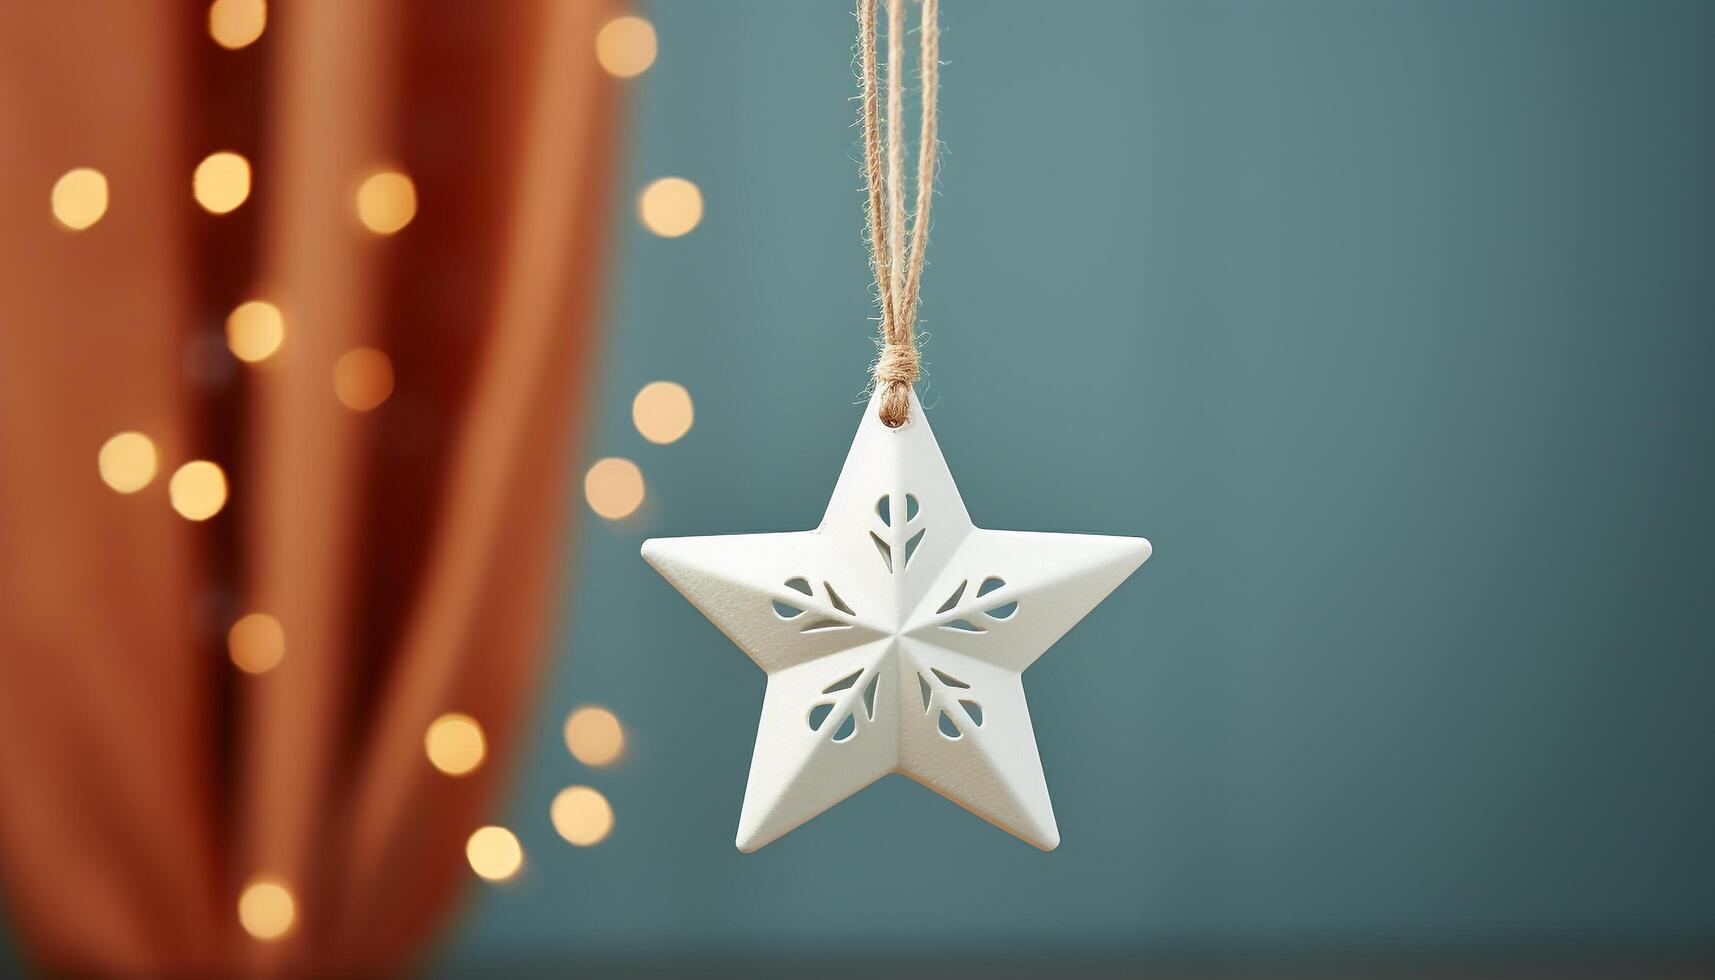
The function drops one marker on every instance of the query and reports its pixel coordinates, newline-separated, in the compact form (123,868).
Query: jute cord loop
(896,258)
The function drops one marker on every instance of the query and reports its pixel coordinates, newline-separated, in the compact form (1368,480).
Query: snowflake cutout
(895,636)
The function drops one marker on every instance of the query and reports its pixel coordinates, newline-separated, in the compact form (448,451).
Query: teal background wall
(1389,323)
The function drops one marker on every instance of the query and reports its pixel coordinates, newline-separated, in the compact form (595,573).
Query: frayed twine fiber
(898,266)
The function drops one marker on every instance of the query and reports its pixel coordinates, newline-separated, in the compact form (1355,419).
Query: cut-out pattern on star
(894,636)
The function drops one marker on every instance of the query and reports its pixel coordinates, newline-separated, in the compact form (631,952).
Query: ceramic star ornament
(895,636)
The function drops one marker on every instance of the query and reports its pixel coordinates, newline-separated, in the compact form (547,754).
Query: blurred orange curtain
(408,549)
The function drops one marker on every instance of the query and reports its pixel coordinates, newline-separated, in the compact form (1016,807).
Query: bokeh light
(662,411)
(614,487)
(625,46)
(256,643)
(127,462)
(255,330)
(236,23)
(80,198)
(494,853)
(266,909)
(197,490)
(363,378)
(221,182)
(581,815)
(594,735)
(386,202)
(670,207)
(455,744)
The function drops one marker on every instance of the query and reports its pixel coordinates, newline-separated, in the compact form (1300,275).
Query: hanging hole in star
(948,728)
(884,510)
(989,585)
(819,714)
(847,728)
(963,626)
(801,584)
(1002,611)
(910,508)
(975,710)
(843,683)
(911,546)
(953,599)
(824,625)
(869,696)
(834,597)
(949,679)
(882,546)
(923,688)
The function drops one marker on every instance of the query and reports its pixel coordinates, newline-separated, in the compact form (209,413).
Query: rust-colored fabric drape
(409,552)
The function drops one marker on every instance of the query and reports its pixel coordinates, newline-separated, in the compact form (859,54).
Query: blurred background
(1388,323)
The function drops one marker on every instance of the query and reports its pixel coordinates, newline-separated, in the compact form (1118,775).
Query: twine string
(896,258)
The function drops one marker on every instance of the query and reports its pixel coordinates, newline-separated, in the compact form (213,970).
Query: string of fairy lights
(362,379)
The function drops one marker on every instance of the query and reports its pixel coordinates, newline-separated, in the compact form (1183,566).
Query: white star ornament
(894,636)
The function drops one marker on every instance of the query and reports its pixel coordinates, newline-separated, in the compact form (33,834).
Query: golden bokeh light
(454,744)
(363,378)
(670,207)
(662,411)
(236,23)
(614,487)
(494,853)
(197,490)
(625,46)
(80,198)
(266,909)
(255,330)
(582,815)
(386,202)
(594,735)
(127,462)
(221,182)
(256,643)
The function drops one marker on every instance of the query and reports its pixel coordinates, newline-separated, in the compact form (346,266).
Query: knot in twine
(898,267)
(896,370)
